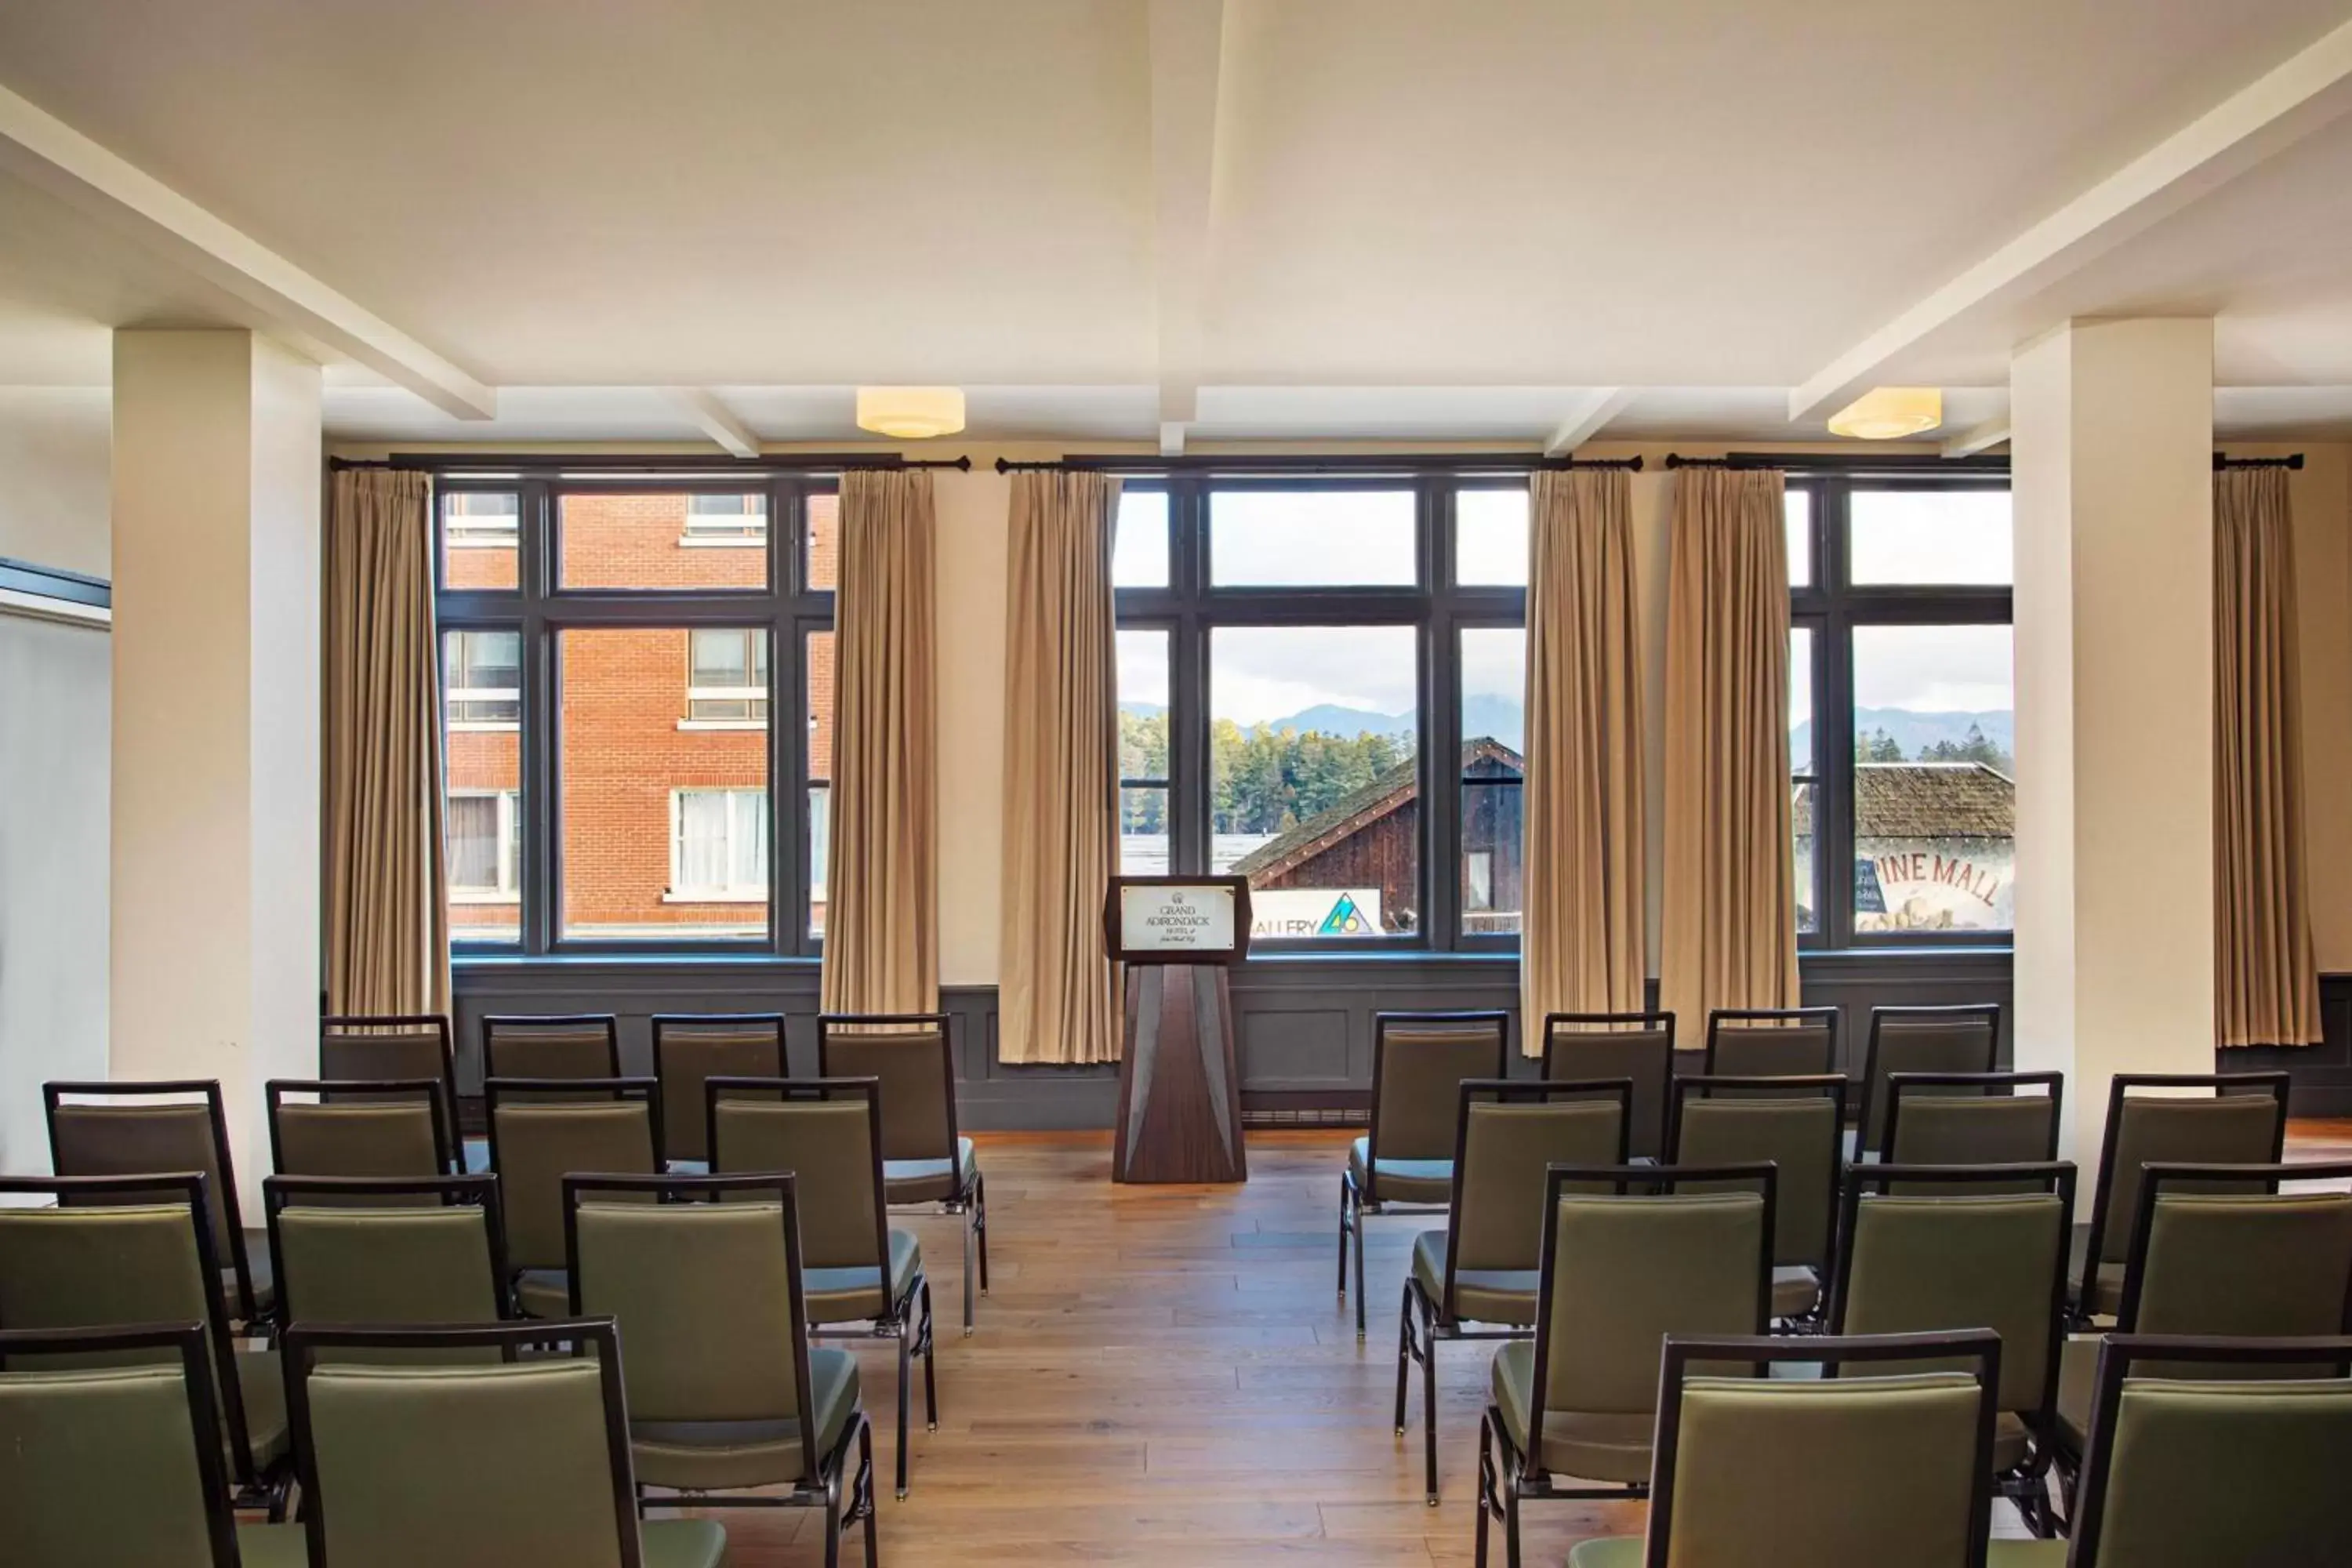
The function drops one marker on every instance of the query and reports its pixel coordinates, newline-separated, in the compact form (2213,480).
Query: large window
(1902,703)
(1320,688)
(637,693)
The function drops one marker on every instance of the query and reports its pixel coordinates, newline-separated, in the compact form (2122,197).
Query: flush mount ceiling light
(1889,414)
(911,413)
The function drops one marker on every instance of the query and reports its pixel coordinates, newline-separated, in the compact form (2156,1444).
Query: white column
(2112,447)
(215,881)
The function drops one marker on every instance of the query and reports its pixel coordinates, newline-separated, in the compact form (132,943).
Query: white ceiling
(1427,220)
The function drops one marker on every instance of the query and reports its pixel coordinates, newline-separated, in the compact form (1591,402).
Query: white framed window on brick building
(485,847)
(482,671)
(718,845)
(726,519)
(727,679)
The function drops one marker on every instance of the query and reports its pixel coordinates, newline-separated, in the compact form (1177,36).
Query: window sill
(720,726)
(692,898)
(500,541)
(475,900)
(745,542)
(476,726)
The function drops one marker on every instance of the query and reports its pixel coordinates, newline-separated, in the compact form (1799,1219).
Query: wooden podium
(1180,1096)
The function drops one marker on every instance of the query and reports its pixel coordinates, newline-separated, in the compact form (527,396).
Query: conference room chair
(725,1393)
(365,1249)
(859,1270)
(2169,1119)
(1622,1270)
(1404,1162)
(1481,1268)
(402,1046)
(2211,1451)
(553,1045)
(1801,1131)
(1972,1119)
(132,1128)
(470,1467)
(1876,1464)
(113,1454)
(1771,1042)
(1921,1040)
(395,1127)
(690,1047)
(122,1251)
(607,1127)
(1994,1258)
(924,1160)
(1638,1047)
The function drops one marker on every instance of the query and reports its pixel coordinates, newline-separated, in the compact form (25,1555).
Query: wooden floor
(1166,1375)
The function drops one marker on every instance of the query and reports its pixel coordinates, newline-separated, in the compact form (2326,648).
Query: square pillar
(214,869)
(2112,449)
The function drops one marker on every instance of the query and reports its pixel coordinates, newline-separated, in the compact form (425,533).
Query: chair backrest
(1622,1269)
(1888,1469)
(104,1259)
(1800,1128)
(536,1142)
(691,1047)
(387,1250)
(109,1463)
(373,1047)
(827,1132)
(1991,1258)
(2192,1119)
(461,1466)
(135,1129)
(2218,1461)
(1635,1045)
(698,1353)
(1419,1060)
(1771,1042)
(391,1127)
(551,1045)
(2220,1251)
(1972,1119)
(911,1057)
(1923,1040)
(1512,1133)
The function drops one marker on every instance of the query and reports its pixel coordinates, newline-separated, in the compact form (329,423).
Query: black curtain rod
(2292,460)
(1839,462)
(821,462)
(1402,462)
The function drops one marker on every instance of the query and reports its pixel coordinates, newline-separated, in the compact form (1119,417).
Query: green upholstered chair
(858,1269)
(2169,1119)
(553,1045)
(1972,1119)
(399,1046)
(1865,1468)
(1771,1042)
(393,1126)
(1405,1162)
(613,1127)
(132,1129)
(924,1160)
(725,1393)
(1921,1040)
(121,1251)
(474,1466)
(1994,1257)
(117,1465)
(1622,1270)
(1800,1129)
(1638,1047)
(387,1250)
(1481,1268)
(690,1047)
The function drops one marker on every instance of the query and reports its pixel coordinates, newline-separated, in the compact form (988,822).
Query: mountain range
(1914,729)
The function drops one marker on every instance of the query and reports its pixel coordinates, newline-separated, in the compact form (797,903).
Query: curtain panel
(1730,929)
(1056,992)
(1582,940)
(881,939)
(387,931)
(2266,980)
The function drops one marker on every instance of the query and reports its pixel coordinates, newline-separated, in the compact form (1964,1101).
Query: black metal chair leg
(930,1384)
(1404,1352)
(1347,1190)
(1429,1401)
(1485,1484)
(1510,1517)
(865,1486)
(832,1526)
(1357,1206)
(968,1236)
(980,1226)
(906,1393)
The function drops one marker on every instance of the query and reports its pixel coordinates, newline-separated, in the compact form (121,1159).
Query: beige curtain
(1582,943)
(387,915)
(2266,982)
(1729,900)
(1055,997)
(881,939)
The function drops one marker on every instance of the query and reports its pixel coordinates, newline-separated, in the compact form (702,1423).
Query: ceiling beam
(2253,124)
(1983,438)
(1603,404)
(715,419)
(43,150)
(1172,438)
(1188,42)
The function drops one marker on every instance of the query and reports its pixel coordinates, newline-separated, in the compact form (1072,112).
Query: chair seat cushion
(2078,1373)
(2106,1295)
(261,1382)
(544,1292)
(1795,1290)
(851,1296)
(1480,1295)
(684,1542)
(931,1181)
(719,1455)
(1400,1180)
(272,1546)
(1609,1552)
(256,1266)
(2012,1441)
(2025,1554)
(1590,1445)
